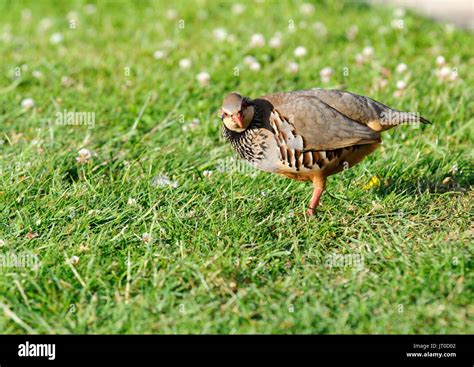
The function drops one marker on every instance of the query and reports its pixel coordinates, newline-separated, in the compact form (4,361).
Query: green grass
(230,253)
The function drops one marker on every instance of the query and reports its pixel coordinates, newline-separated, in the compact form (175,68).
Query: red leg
(314,200)
(318,189)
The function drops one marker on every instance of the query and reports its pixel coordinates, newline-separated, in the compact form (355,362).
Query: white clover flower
(397,23)
(440,61)
(401,68)
(184,63)
(6,36)
(360,59)
(382,83)
(398,93)
(72,15)
(131,201)
(453,76)
(368,51)
(444,72)
(293,67)
(171,14)
(257,40)
(306,9)
(300,51)
(275,42)
(203,78)
(26,15)
(84,155)
(320,29)
(56,38)
(74,260)
(365,56)
(28,103)
(207,173)
(37,74)
(162,181)
(326,74)
(45,24)
(67,82)
(90,9)
(325,79)
(168,43)
(238,9)
(454,169)
(147,238)
(351,33)
(401,85)
(399,12)
(255,66)
(220,34)
(248,60)
(159,54)
(192,125)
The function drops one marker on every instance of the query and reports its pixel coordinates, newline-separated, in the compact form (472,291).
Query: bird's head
(237,112)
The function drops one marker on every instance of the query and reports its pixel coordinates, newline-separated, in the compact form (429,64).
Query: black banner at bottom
(59,350)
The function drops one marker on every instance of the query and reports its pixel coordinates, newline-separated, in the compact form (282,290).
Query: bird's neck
(248,142)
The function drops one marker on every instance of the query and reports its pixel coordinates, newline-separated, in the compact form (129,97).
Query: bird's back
(363,110)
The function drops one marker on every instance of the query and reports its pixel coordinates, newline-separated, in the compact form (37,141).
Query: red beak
(238,120)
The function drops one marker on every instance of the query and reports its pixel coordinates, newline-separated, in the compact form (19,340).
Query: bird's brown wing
(321,126)
(364,110)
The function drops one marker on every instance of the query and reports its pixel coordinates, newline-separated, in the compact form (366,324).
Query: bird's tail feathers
(392,118)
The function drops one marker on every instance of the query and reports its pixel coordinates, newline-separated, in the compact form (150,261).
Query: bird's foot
(310,211)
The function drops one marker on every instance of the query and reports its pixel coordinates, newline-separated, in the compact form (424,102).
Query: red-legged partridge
(308,135)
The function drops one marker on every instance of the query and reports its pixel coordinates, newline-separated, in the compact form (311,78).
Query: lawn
(141,221)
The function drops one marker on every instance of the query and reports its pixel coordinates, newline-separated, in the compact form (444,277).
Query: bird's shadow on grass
(434,184)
